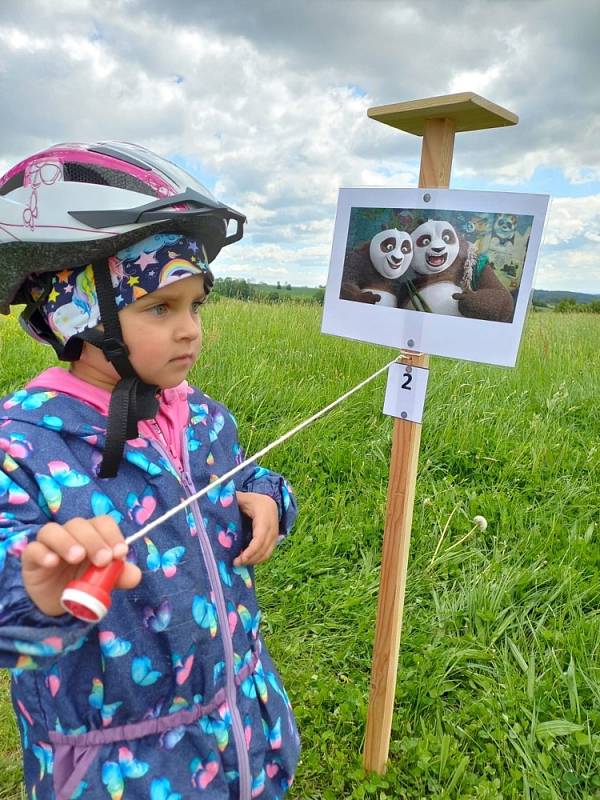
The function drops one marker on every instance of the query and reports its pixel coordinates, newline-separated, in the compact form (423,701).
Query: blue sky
(266,103)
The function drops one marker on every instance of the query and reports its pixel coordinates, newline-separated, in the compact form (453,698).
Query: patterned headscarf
(71,306)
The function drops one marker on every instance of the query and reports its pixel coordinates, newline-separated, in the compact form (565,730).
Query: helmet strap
(131,400)
(111,341)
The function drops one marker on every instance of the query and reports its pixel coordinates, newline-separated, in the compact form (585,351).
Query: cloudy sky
(266,102)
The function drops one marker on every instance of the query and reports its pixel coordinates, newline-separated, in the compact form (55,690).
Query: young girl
(172,695)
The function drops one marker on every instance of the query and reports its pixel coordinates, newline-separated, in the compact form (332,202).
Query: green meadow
(498,692)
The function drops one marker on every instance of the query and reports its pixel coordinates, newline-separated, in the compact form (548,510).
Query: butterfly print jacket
(173,694)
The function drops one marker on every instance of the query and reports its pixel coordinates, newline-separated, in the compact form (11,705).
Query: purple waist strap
(73,755)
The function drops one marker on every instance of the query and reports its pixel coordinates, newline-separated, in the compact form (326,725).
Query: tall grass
(499,680)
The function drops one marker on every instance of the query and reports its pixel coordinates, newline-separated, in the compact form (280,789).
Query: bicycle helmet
(76,204)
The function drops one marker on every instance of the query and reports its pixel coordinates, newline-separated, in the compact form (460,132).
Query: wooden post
(437,120)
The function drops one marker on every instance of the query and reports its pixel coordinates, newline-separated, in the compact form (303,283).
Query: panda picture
(372,270)
(420,270)
(447,279)
(436,249)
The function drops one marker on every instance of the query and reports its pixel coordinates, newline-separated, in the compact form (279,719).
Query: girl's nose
(188,327)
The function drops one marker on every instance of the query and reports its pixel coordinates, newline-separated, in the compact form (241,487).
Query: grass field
(499,679)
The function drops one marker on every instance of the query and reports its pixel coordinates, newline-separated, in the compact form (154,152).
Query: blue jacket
(173,694)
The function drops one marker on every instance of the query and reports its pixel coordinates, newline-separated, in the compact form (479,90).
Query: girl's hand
(61,553)
(264,514)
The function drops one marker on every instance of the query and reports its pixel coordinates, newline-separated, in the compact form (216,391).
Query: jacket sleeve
(28,638)
(254,478)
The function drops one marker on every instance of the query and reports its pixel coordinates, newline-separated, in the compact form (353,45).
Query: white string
(259,454)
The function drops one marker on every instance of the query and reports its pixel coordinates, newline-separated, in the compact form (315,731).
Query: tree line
(570,306)
(241,289)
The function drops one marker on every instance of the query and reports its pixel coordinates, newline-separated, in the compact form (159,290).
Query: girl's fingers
(99,540)
(265,554)
(91,539)
(98,536)
(262,510)
(260,548)
(263,551)
(111,533)
(60,540)
(37,555)
(248,555)
(130,577)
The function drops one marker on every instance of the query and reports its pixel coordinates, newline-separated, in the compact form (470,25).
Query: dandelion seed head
(481,522)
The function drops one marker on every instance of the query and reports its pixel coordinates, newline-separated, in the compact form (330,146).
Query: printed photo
(465,264)
(436,254)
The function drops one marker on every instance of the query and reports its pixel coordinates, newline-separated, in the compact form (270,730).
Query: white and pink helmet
(73,204)
(79,204)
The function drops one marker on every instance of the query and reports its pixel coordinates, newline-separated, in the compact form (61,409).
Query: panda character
(508,247)
(504,230)
(371,270)
(449,278)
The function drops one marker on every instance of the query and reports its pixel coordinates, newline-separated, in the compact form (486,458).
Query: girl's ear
(208,279)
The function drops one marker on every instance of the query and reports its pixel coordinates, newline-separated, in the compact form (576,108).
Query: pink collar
(173,412)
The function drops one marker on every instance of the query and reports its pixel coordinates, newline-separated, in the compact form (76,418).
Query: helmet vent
(93,173)
(13,183)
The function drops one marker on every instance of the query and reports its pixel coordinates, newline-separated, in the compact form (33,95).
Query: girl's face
(163,333)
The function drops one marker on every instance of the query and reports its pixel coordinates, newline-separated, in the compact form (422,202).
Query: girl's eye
(158,310)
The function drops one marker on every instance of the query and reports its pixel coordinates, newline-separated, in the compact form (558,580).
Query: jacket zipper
(215,584)
(161,437)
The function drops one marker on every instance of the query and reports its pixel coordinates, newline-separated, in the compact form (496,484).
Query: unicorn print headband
(71,306)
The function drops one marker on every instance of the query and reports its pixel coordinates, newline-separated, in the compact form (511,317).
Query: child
(172,695)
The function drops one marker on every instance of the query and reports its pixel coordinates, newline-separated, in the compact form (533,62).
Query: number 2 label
(405,392)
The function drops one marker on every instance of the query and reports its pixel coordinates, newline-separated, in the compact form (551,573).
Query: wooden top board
(468,112)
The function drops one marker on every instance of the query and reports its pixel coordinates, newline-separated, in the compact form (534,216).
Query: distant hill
(552,298)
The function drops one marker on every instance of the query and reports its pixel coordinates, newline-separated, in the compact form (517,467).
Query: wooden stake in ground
(436,119)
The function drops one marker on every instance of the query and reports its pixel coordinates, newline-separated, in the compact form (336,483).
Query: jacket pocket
(71,765)
(74,755)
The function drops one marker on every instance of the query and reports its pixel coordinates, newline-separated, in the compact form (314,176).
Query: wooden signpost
(437,120)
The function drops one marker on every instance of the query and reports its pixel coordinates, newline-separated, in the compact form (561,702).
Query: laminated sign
(443,272)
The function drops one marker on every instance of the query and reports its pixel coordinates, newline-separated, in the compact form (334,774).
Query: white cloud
(476,80)
(15,39)
(571,218)
(582,174)
(577,271)
(270,99)
(305,266)
(570,257)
